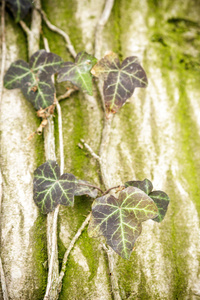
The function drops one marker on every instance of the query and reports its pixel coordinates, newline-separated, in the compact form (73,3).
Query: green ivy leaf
(51,189)
(119,80)
(79,72)
(85,190)
(119,220)
(161,200)
(34,78)
(19,8)
(144,185)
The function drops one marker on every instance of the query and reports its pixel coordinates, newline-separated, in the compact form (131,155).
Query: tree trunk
(156,135)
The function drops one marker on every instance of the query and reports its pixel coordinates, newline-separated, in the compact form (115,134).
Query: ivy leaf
(119,220)
(34,78)
(45,63)
(79,72)
(51,189)
(39,93)
(119,80)
(19,8)
(85,190)
(144,185)
(161,200)
(16,75)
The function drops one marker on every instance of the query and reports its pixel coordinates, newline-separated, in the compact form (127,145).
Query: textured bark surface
(156,135)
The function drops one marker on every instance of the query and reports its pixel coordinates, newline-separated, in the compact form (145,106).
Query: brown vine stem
(112,188)
(3,59)
(92,186)
(67,94)
(33,33)
(100,26)
(98,37)
(70,247)
(54,28)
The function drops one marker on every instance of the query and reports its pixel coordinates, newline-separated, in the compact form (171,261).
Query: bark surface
(156,135)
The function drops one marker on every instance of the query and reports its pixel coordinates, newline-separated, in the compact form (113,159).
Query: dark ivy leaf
(44,63)
(51,189)
(81,189)
(120,80)
(161,200)
(34,78)
(19,8)
(17,74)
(79,72)
(40,94)
(144,185)
(119,220)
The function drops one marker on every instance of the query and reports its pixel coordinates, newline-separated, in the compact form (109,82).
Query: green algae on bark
(38,236)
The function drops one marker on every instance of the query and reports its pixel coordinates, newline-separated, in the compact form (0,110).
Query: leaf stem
(110,189)
(93,186)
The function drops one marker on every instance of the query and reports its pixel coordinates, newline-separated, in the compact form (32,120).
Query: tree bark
(156,135)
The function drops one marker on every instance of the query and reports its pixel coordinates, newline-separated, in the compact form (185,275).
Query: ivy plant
(34,78)
(118,219)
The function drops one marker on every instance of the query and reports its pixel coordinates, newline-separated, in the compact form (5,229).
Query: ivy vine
(120,219)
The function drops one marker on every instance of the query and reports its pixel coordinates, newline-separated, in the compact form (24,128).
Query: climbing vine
(118,218)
